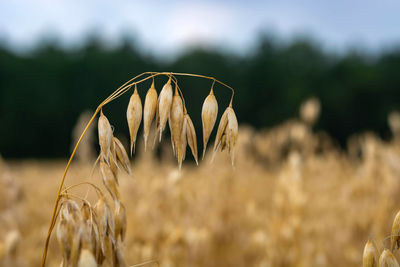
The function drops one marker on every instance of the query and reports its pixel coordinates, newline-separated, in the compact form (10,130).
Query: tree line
(42,93)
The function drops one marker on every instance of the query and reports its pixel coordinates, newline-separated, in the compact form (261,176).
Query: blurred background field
(317,100)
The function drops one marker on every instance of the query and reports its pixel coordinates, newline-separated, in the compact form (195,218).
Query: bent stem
(117,93)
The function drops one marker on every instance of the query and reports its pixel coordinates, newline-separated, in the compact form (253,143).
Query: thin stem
(206,77)
(53,217)
(98,190)
(179,90)
(144,263)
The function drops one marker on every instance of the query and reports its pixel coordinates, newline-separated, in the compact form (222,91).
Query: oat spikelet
(208,117)
(164,106)
(227,133)
(109,180)
(122,156)
(86,259)
(150,106)
(105,136)
(176,120)
(181,151)
(191,137)
(370,255)
(105,223)
(387,259)
(232,134)
(134,117)
(120,221)
(395,235)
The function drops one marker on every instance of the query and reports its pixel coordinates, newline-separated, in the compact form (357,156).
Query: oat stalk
(117,93)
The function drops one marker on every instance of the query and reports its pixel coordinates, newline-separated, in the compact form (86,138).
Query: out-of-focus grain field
(293,199)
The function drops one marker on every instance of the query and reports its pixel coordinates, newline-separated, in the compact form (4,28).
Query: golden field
(292,199)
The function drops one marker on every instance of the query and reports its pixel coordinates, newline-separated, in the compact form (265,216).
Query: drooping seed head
(109,180)
(191,137)
(370,255)
(395,235)
(176,119)
(105,136)
(232,133)
(120,221)
(134,117)
(150,106)
(387,259)
(118,259)
(220,132)
(181,148)
(227,133)
(122,156)
(208,117)
(87,259)
(164,106)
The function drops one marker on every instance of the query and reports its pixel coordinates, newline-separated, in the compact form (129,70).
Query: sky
(165,27)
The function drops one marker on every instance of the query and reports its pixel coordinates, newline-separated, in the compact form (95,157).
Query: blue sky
(168,26)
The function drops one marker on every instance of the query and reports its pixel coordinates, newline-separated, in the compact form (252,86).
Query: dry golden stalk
(87,259)
(227,133)
(208,117)
(395,235)
(122,156)
(176,120)
(387,259)
(105,136)
(370,255)
(164,106)
(120,221)
(109,180)
(134,117)
(191,137)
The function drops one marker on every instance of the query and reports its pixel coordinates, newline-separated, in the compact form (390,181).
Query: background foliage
(43,93)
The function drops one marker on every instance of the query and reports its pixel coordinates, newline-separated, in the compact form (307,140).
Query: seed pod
(86,259)
(176,119)
(370,255)
(122,156)
(113,161)
(208,117)
(109,180)
(62,238)
(181,149)
(118,259)
(164,106)
(232,133)
(227,133)
(120,221)
(221,131)
(395,235)
(387,259)
(105,220)
(134,117)
(150,106)
(105,136)
(191,137)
